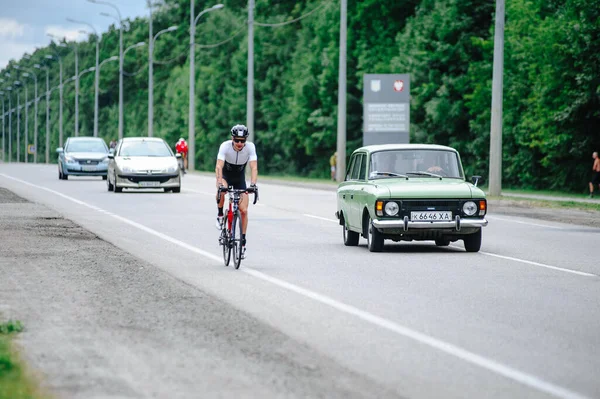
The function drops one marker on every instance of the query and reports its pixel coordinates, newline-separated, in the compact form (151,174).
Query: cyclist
(182,148)
(232,159)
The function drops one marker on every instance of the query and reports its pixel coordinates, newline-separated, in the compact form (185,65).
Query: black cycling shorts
(596,178)
(235,179)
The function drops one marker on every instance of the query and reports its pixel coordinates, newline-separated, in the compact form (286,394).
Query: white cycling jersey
(235,161)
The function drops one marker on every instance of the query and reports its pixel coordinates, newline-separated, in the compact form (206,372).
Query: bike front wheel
(236,235)
(224,241)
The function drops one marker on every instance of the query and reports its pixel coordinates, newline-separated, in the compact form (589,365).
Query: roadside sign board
(30,149)
(386,109)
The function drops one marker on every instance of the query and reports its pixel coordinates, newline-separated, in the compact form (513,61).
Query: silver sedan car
(143,162)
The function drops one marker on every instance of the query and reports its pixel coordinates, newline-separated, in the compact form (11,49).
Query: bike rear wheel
(224,240)
(236,235)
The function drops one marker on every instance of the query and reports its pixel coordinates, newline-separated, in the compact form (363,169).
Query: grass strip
(14,382)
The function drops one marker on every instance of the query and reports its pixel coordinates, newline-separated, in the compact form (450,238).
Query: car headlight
(391,208)
(469,208)
(104,160)
(172,169)
(127,169)
(69,159)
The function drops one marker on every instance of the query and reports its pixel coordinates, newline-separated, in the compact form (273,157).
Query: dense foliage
(551,81)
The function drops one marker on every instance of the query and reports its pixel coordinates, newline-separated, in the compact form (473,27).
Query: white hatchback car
(143,162)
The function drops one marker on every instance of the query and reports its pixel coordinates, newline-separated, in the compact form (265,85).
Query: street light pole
(120,60)
(192,95)
(3,123)
(47,116)
(340,169)
(10,89)
(17,84)
(250,83)
(151,79)
(97,73)
(495,185)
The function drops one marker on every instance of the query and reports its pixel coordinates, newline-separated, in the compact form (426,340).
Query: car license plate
(149,183)
(431,216)
(88,168)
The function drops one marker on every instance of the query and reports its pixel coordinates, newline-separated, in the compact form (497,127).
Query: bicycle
(231,228)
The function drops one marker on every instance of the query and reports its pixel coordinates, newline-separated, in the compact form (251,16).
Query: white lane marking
(463,354)
(527,223)
(540,264)
(320,218)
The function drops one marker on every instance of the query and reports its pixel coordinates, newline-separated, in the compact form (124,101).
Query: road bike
(231,227)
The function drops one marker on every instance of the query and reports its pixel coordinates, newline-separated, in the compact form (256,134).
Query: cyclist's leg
(244,212)
(220,204)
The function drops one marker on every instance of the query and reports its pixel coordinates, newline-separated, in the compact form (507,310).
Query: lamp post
(60,108)
(30,74)
(47,151)
(97,73)
(3,134)
(250,79)
(340,169)
(192,109)
(150,78)
(120,59)
(16,85)
(10,89)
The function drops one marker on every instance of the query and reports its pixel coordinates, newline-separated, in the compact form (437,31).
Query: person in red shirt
(182,148)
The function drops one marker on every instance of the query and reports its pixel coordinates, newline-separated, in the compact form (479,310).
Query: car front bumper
(163,180)
(76,169)
(457,224)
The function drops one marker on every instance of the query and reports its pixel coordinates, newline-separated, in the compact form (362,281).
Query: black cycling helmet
(239,131)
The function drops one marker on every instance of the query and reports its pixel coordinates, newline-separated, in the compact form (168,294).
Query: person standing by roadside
(595,174)
(333,164)
(182,148)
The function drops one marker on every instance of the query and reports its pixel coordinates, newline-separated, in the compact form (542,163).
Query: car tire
(104,177)
(109,185)
(473,241)
(374,237)
(65,177)
(117,188)
(59,174)
(350,237)
(442,242)
(176,189)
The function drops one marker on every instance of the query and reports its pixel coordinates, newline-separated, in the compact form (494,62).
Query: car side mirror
(111,151)
(476,180)
(59,150)
(111,155)
(178,155)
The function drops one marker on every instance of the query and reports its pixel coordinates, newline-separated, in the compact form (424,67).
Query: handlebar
(249,190)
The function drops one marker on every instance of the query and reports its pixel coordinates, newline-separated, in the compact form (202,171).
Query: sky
(24,24)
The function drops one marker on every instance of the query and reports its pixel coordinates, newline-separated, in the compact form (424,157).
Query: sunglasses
(239,140)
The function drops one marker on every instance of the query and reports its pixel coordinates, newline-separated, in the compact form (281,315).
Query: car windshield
(86,146)
(415,163)
(145,148)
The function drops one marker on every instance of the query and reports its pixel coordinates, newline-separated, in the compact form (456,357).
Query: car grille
(423,205)
(159,178)
(87,162)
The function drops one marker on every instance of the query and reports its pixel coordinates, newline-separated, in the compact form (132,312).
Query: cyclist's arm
(219,171)
(253,171)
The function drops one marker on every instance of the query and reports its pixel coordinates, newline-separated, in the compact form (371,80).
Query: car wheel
(176,189)
(59,174)
(442,242)
(117,188)
(374,237)
(109,185)
(350,237)
(65,176)
(104,177)
(473,241)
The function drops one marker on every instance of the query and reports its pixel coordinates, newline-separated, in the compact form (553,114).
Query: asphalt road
(304,316)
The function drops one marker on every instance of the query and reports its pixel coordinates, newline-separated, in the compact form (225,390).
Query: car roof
(382,147)
(142,139)
(85,138)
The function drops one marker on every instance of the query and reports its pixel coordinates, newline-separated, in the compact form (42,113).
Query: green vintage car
(406,192)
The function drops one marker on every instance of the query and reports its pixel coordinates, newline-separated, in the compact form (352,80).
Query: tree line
(551,81)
